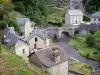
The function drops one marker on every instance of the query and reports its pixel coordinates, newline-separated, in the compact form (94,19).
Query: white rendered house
(54,60)
(26,26)
(95,18)
(16,43)
(38,40)
(73,17)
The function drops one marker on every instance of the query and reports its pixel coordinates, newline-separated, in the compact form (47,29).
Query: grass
(83,49)
(14,14)
(71,61)
(39,69)
(56,15)
(11,64)
(76,67)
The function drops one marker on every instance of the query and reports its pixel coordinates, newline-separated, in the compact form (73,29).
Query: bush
(20,7)
(60,24)
(97,34)
(12,23)
(87,55)
(97,46)
(3,25)
(90,40)
(85,18)
(95,52)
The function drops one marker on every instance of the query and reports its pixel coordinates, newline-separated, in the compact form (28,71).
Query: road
(72,52)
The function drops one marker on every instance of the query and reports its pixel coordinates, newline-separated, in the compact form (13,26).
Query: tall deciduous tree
(90,40)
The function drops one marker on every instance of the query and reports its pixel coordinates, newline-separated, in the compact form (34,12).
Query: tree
(12,23)
(37,10)
(20,7)
(3,25)
(5,8)
(90,40)
(97,34)
(85,18)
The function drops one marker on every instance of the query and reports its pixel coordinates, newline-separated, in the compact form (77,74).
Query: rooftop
(22,21)
(75,12)
(96,15)
(39,34)
(45,59)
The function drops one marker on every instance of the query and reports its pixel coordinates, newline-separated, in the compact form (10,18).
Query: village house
(84,29)
(95,18)
(15,42)
(26,26)
(38,40)
(73,17)
(54,60)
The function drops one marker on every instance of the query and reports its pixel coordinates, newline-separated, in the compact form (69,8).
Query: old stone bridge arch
(52,31)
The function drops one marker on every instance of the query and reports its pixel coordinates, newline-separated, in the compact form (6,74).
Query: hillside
(92,5)
(11,64)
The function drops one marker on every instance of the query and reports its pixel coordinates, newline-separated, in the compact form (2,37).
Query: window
(36,39)
(76,21)
(23,51)
(35,46)
(94,19)
(99,19)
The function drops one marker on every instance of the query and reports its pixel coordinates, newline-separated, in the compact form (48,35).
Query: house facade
(16,43)
(95,18)
(54,60)
(38,41)
(26,26)
(73,17)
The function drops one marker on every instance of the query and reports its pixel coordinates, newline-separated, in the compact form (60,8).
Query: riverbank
(79,67)
(82,48)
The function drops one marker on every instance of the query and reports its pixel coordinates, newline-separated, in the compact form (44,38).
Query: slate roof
(22,21)
(45,59)
(75,12)
(96,73)
(92,27)
(12,38)
(39,34)
(96,15)
(8,29)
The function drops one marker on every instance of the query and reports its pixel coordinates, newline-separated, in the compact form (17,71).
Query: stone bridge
(52,31)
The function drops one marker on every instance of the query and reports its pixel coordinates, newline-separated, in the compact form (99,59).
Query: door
(35,46)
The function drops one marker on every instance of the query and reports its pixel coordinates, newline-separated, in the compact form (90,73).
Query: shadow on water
(72,52)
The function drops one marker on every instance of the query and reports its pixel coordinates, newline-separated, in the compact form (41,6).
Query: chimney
(56,54)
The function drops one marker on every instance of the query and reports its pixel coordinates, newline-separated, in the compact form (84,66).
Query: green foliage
(2,24)
(85,50)
(5,1)
(5,8)
(85,18)
(91,5)
(13,64)
(60,24)
(37,10)
(90,40)
(97,34)
(14,24)
(20,7)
